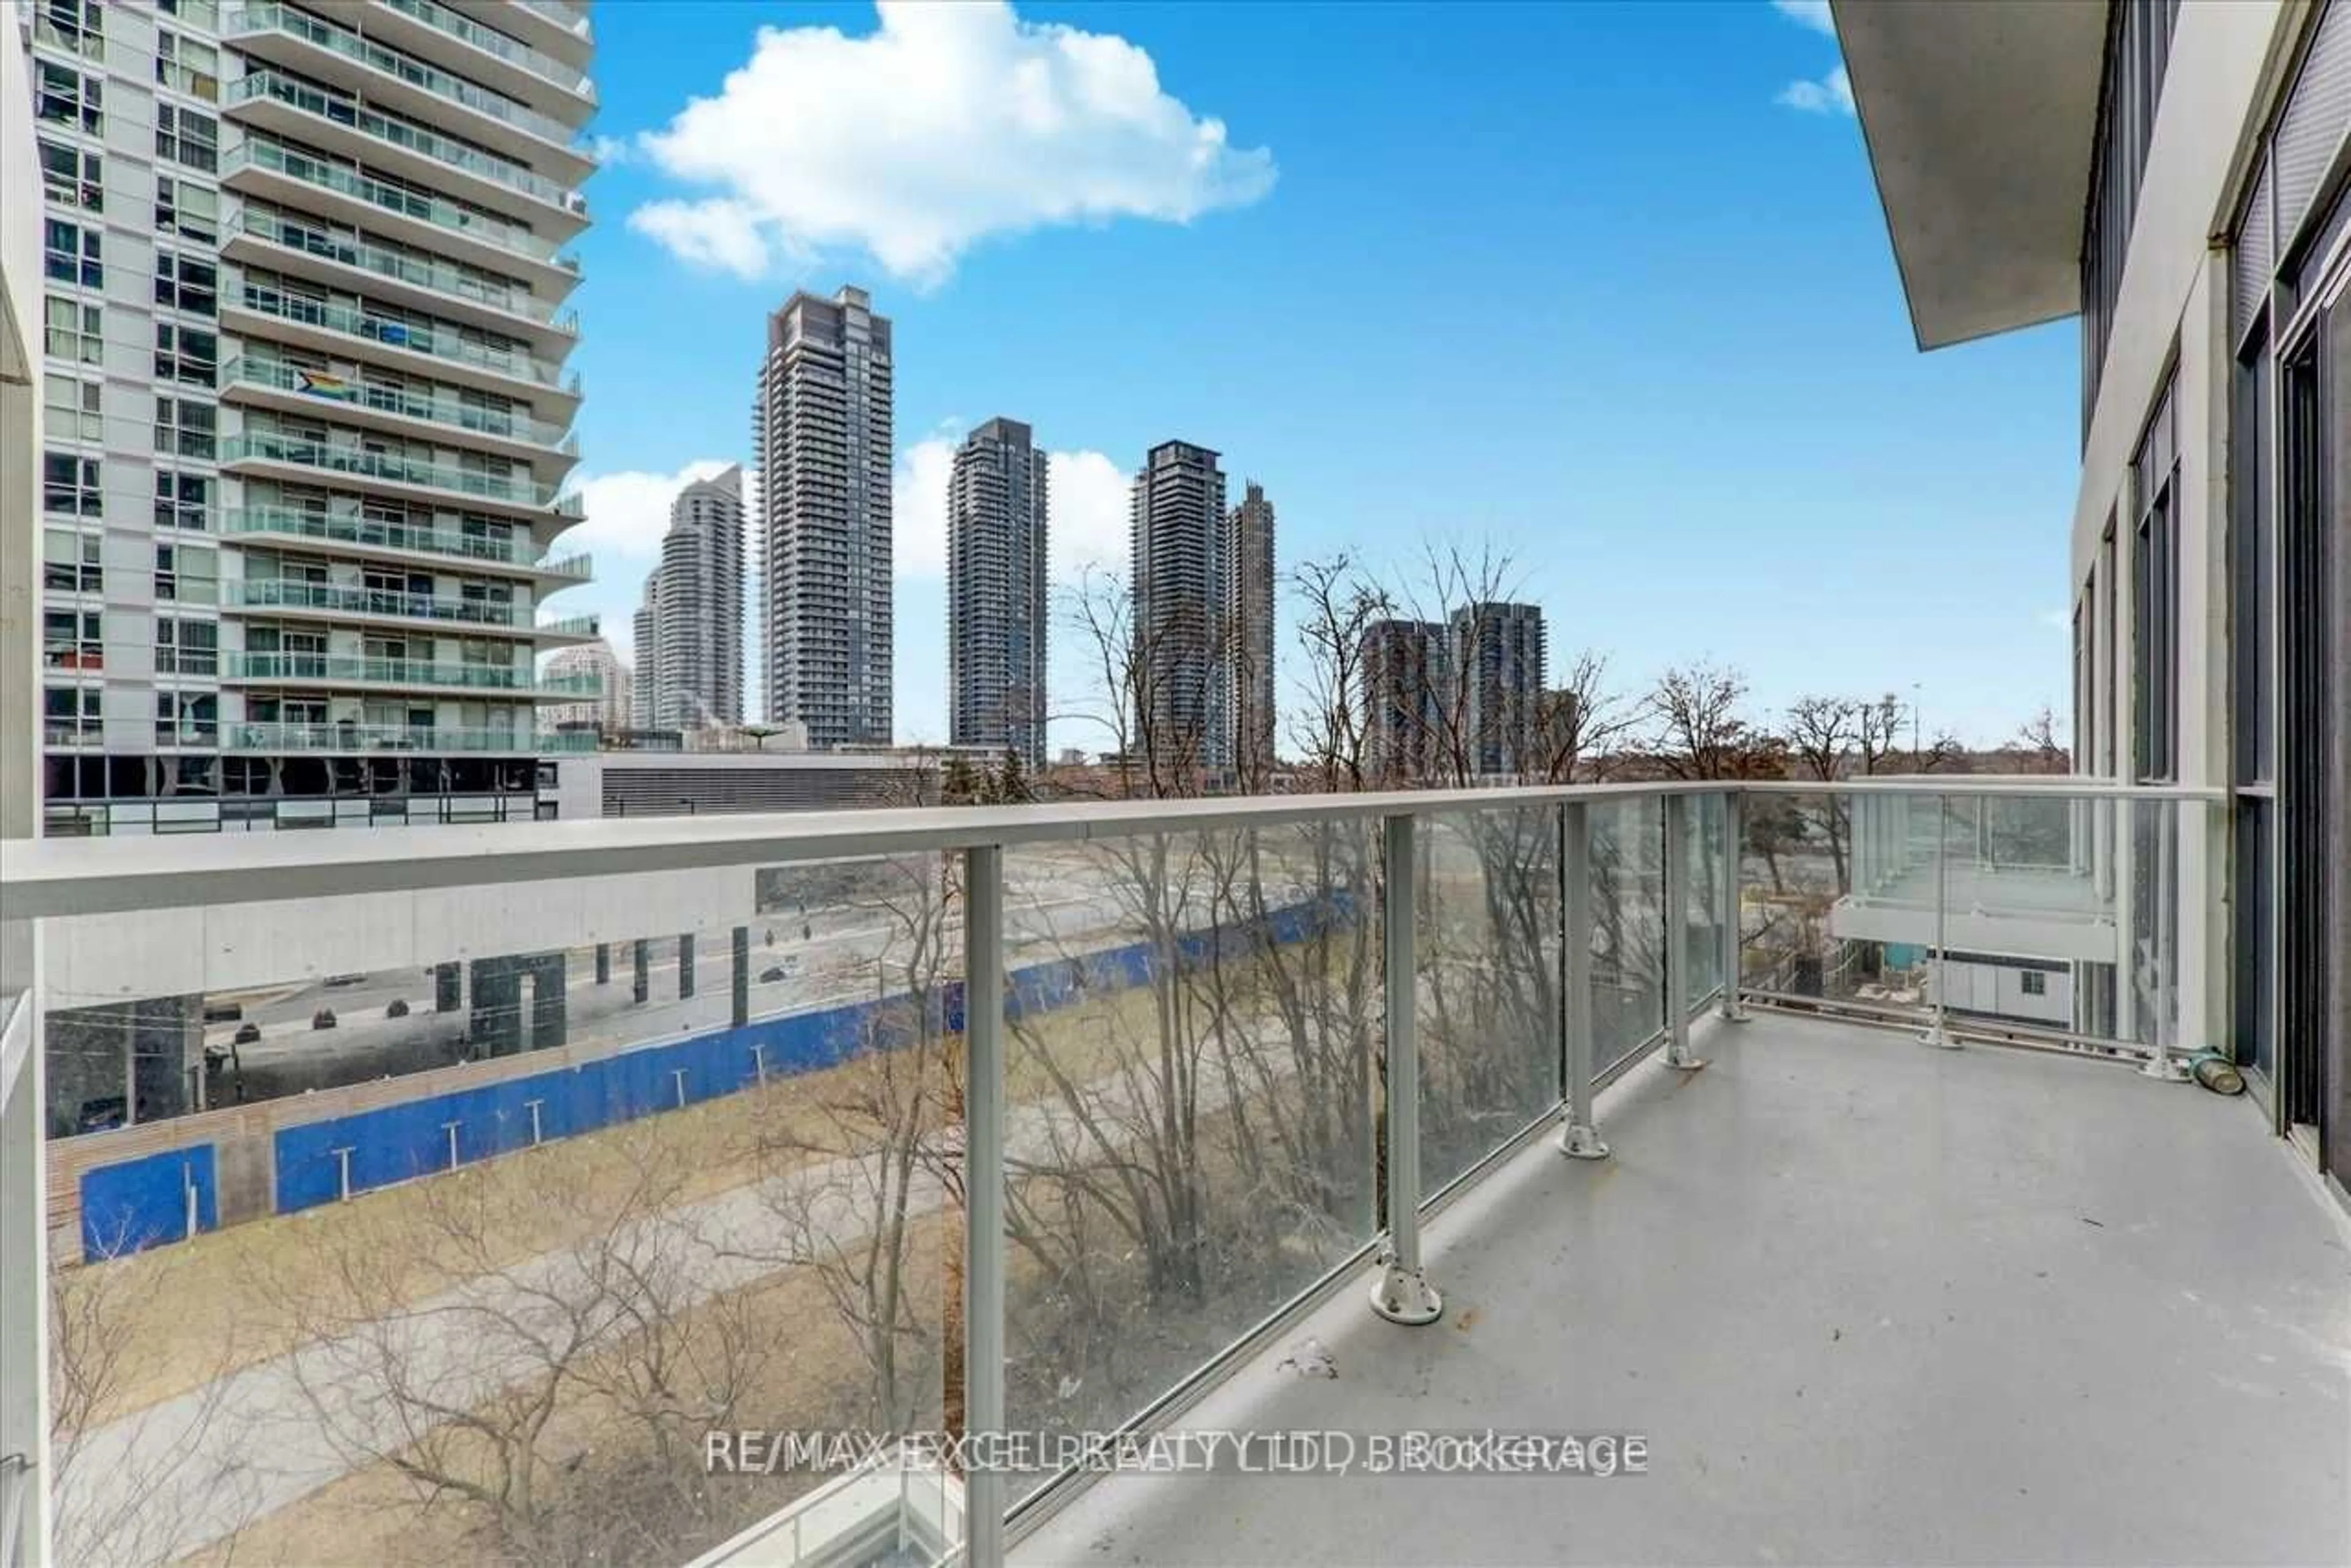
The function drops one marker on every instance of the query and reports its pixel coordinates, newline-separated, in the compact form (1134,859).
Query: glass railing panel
(1192,1026)
(402,133)
(518,1191)
(1702,918)
(1488,927)
(1629,940)
(279,228)
(395,199)
(491,41)
(433,407)
(1805,936)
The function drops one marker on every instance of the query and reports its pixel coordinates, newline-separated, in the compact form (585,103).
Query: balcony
(301,461)
(294,109)
(483,53)
(413,675)
(423,741)
(337,600)
(372,538)
(255,309)
(436,414)
(310,46)
(1181,1082)
(261,235)
(285,176)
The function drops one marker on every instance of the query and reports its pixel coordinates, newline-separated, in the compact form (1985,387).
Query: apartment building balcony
(357,673)
(421,739)
(357,604)
(487,53)
(1356,1116)
(325,51)
(276,103)
(265,381)
(557,28)
(268,455)
(287,176)
(258,309)
(370,539)
(256,234)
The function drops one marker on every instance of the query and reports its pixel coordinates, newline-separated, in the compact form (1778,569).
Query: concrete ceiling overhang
(1980,117)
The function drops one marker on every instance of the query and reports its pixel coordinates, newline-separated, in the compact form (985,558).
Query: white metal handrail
(88,876)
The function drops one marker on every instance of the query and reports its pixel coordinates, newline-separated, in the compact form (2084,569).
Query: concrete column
(685,967)
(742,976)
(644,978)
(603,963)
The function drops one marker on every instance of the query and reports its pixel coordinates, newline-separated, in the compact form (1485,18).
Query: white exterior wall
(2173,305)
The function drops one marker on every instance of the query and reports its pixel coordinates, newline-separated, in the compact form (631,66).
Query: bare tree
(1878,731)
(1697,729)
(2037,738)
(1582,723)
(126,1482)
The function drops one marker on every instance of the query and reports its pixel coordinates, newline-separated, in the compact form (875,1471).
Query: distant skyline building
(997,510)
(821,433)
(689,628)
(1497,654)
(1182,587)
(1248,617)
(603,681)
(1402,667)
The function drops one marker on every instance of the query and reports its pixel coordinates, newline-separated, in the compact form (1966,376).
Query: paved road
(202,1466)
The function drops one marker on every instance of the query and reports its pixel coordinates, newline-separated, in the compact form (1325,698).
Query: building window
(187,718)
(185,208)
(2035,983)
(69,485)
(183,283)
(70,254)
(2138,54)
(69,713)
(76,25)
(73,330)
(186,647)
(73,178)
(63,96)
(183,136)
(184,428)
(72,640)
(204,14)
(2155,601)
(70,562)
(185,574)
(187,65)
(69,409)
(185,354)
(182,500)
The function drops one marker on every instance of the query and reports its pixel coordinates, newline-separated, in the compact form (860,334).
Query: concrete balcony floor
(1870,1302)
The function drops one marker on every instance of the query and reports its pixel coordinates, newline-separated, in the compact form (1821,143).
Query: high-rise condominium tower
(598,683)
(997,512)
(1249,615)
(1182,585)
(689,671)
(1403,667)
(305,285)
(820,430)
(1498,656)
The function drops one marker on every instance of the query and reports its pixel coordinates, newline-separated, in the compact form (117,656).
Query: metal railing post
(1936,1035)
(1677,914)
(1578,1138)
(1734,830)
(983,1185)
(1402,1293)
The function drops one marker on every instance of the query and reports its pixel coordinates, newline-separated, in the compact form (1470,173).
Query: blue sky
(1604,288)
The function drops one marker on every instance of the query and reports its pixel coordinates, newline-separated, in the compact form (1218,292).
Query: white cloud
(1833,94)
(947,124)
(625,513)
(918,505)
(610,150)
(1813,14)
(1091,510)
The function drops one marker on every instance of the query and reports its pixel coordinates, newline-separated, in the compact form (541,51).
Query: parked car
(223,1012)
(323,1018)
(102,1115)
(248,1032)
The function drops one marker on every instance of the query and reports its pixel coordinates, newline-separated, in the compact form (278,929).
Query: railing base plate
(1404,1296)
